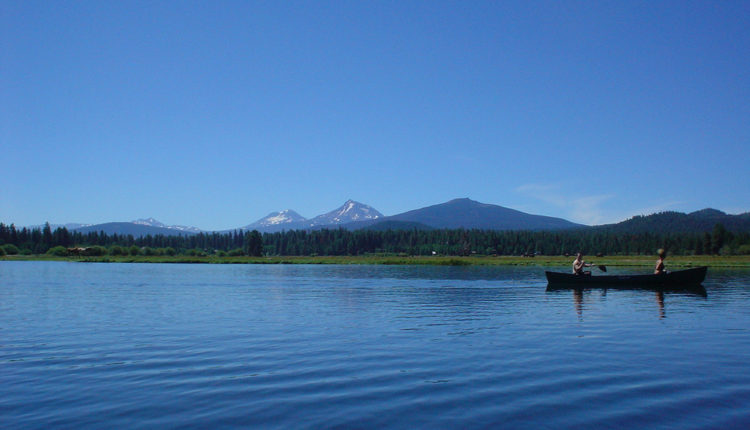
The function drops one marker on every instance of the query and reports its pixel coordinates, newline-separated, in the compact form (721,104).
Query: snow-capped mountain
(351,211)
(154,223)
(149,221)
(286,219)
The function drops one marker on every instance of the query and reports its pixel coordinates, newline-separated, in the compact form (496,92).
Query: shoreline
(736,261)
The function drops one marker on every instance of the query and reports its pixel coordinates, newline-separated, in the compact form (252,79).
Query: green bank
(737,261)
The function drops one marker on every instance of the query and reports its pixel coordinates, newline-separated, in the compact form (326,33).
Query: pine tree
(253,245)
(718,237)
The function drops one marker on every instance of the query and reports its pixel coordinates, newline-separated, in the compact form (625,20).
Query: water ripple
(145,346)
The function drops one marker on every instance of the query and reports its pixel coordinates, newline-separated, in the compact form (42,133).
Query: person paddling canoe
(579,264)
(659,269)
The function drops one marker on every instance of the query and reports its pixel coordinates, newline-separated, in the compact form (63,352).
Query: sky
(214,114)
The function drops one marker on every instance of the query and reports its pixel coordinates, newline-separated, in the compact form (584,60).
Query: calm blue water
(211,346)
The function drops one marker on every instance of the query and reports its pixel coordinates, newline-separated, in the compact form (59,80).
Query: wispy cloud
(587,209)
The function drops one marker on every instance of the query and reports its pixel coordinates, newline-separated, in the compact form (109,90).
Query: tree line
(63,241)
(483,242)
(360,242)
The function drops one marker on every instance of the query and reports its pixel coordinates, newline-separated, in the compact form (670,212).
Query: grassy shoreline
(742,261)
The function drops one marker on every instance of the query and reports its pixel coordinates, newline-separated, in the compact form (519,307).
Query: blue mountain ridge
(470,214)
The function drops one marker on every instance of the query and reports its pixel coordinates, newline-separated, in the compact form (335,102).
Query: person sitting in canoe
(579,264)
(659,269)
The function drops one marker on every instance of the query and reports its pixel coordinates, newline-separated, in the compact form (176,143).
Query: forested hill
(470,214)
(679,222)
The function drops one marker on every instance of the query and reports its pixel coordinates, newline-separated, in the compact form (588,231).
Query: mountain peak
(467,213)
(463,201)
(350,211)
(149,221)
(152,222)
(350,205)
(707,212)
(276,220)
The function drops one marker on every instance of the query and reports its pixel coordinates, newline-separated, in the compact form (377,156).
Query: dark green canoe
(678,279)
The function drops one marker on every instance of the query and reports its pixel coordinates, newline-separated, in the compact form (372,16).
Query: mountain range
(457,213)
(349,212)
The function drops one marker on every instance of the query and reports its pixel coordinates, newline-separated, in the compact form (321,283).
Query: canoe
(673,280)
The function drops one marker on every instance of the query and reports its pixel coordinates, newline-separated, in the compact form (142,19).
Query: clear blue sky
(214,114)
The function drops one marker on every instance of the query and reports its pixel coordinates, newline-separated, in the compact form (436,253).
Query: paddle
(602,267)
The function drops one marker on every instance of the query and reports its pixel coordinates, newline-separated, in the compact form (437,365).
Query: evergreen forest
(338,242)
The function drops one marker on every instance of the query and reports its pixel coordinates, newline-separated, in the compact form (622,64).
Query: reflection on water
(659,295)
(204,346)
(601,294)
(660,301)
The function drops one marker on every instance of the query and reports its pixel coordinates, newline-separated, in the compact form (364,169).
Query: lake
(310,346)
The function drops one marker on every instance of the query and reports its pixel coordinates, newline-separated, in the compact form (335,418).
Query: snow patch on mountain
(285,218)
(150,221)
(350,211)
(290,220)
(154,223)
